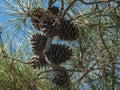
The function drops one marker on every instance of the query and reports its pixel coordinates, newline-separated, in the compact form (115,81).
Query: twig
(74,18)
(62,8)
(97,1)
(101,36)
(62,5)
(5,56)
(91,80)
(51,2)
(69,70)
(48,44)
(113,74)
(44,72)
(67,9)
(87,71)
(52,65)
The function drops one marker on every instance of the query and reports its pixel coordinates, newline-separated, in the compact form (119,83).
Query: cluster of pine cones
(51,25)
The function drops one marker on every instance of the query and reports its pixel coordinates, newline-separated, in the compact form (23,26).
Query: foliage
(15,76)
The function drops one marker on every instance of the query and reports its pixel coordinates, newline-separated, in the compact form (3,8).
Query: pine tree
(90,29)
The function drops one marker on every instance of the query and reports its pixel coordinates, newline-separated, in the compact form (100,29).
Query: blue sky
(1,17)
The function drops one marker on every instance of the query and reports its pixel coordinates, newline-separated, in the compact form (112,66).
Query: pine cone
(59,53)
(54,10)
(38,62)
(61,78)
(35,18)
(38,42)
(49,24)
(69,30)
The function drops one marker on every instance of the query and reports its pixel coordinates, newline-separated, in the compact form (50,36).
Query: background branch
(67,9)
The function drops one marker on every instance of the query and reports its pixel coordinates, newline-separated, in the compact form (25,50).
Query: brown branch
(62,8)
(97,1)
(85,14)
(112,62)
(91,80)
(101,36)
(52,65)
(87,3)
(47,71)
(69,70)
(51,2)
(85,74)
(48,44)
(92,69)
(67,9)
(5,56)
(62,5)
(113,82)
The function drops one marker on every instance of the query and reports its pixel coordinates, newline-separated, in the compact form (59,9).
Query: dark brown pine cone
(61,78)
(35,18)
(69,30)
(54,10)
(38,62)
(38,42)
(59,53)
(49,24)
